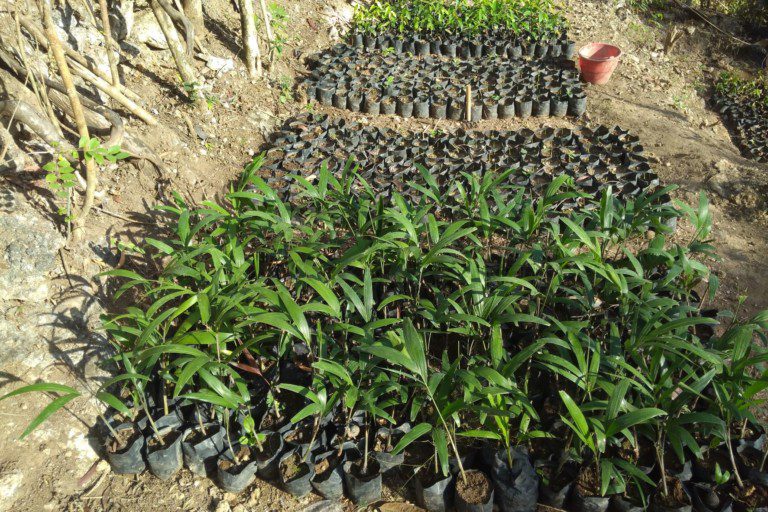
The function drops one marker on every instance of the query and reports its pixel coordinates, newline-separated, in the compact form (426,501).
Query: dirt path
(659,98)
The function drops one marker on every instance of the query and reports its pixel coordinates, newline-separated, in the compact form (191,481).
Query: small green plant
(286,89)
(60,175)
(721,477)
(679,102)
(729,84)
(249,436)
(279,18)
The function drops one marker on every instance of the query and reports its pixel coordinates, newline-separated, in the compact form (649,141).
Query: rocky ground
(52,298)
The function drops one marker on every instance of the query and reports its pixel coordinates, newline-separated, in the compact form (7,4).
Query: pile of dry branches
(58,74)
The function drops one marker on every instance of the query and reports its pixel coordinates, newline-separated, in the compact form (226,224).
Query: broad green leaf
(415,433)
(630,419)
(414,345)
(333,368)
(575,414)
(326,293)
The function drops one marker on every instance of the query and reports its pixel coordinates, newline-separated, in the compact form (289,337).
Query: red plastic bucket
(597,62)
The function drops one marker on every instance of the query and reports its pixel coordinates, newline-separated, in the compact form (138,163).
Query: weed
(286,89)
(60,175)
(279,18)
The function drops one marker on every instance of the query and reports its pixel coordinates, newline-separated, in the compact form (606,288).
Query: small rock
(324,506)
(219,64)
(9,483)
(223,506)
(147,31)
(201,134)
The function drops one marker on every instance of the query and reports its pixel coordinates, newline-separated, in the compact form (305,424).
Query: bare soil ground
(660,97)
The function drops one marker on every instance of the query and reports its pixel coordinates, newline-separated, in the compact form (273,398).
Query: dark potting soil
(751,495)
(677,496)
(197,436)
(124,439)
(588,481)
(292,467)
(752,457)
(429,477)
(270,421)
(718,456)
(167,439)
(386,442)
(325,467)
(371,473)
(243,458)
(567,474)
(299,436)
(268,448)
(476,489)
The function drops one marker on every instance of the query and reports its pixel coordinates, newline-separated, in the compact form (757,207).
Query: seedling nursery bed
(595,158)
(499,318)
(501,43)
(500,88)
(747,117)
(464,29)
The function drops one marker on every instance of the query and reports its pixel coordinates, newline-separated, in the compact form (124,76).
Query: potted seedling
(411,363)
(329,476)
(201,445)
(296,468)
(604,475)
(363,476)
(237,464)
(516,483)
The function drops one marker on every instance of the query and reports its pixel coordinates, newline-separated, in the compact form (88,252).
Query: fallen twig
(708,22)
(35,32)
(268,27)
(108,43)
(29,117)
(121,217)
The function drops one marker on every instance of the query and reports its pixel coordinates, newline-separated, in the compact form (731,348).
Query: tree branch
(77,110)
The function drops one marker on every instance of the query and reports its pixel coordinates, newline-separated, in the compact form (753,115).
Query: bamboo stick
(268,27)
(468,106)
(108,43)
(30,27)
(114,93)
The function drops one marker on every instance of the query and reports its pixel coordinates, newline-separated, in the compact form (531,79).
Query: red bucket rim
(600,59)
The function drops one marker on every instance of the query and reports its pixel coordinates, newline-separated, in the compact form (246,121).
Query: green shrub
(729,84)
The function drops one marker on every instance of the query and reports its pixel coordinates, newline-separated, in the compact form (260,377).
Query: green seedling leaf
(415,433)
